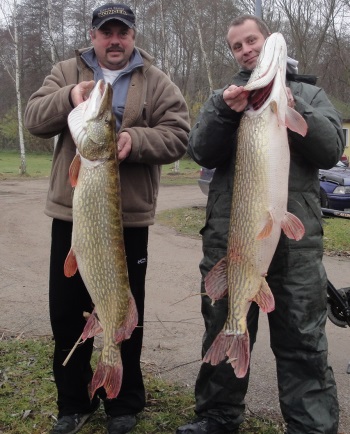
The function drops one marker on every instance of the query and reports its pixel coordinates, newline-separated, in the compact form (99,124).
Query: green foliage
(9,137)
(9,126)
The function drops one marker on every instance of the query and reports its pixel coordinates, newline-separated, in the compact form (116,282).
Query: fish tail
(239,354)
(235,347)
(107,376)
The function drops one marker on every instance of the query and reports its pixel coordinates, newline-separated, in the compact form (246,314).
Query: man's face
(113,43)
(246,41)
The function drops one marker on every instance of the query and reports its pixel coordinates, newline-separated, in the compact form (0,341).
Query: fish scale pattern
(97,239)
(250,201)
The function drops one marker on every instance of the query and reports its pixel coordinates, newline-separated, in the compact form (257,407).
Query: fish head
(92,124)
(100,123)
(267,85)
(272,58)
(267,82)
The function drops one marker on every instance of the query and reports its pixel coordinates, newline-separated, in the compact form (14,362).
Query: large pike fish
(259,205)
(97,241)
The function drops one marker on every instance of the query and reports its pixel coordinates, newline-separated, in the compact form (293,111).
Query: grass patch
(38,164)
(186,221)
(189,221)
(337,236)
(187,174)
(28,396)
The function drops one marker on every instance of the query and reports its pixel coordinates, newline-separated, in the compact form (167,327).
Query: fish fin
(109,377)
(267,229)
(215,281)
(235,347)
(74,170)
(70,264)
(239,354)
(129,323)
(264,298)
(217,351)
(92,327)
(295,122)
(292,226)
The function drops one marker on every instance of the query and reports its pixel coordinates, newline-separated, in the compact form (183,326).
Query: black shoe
(203,425)
(72,423)
(121,424)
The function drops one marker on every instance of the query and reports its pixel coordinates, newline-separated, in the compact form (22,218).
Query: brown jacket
(155,116)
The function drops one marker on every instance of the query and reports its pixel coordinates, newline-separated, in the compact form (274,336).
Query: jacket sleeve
(213,137)
(48,108)
(163,138)
(324,142)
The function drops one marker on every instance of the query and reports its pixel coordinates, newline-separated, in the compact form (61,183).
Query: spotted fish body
(97,249)
(259,205)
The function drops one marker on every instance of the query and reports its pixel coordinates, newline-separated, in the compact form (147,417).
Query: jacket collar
(86,59)
(90,59)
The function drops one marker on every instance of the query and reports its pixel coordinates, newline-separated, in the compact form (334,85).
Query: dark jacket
(155,116)
(213,143)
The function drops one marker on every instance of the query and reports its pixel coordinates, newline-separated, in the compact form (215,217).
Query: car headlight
(341,189)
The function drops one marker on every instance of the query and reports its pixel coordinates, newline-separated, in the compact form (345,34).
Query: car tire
(324,199)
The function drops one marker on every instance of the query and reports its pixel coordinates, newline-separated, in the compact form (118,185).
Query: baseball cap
(113,11)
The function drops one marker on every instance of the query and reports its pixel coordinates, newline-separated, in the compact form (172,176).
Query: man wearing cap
(153,125)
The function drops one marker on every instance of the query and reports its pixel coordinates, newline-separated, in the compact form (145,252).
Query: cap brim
(132,26)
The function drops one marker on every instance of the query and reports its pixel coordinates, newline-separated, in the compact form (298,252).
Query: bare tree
(11,17)
(194,9)
(309,24)
(186,38)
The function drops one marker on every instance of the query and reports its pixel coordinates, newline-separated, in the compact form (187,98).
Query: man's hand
(81,92)
(236,98)
(124,145)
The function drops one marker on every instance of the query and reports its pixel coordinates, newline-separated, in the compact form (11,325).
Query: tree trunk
(23,164)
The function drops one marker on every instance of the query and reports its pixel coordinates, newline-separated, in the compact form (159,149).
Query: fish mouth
(100,100)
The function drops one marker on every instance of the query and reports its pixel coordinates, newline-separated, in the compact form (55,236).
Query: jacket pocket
(139,186)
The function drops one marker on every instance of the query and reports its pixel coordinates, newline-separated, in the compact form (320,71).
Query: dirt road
(173,328)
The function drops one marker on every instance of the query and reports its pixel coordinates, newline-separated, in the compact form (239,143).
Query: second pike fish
(258,209)
(97,241)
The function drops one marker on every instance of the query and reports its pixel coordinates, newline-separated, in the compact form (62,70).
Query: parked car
(335,187)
